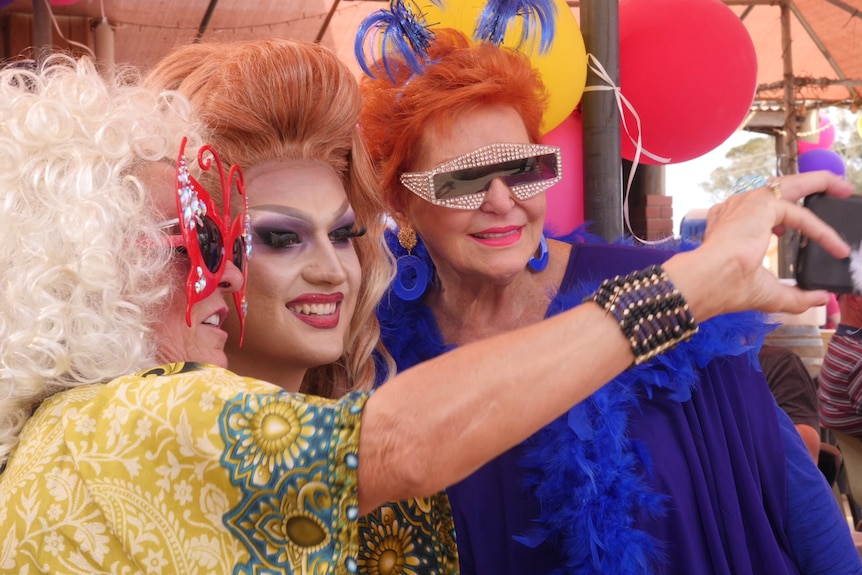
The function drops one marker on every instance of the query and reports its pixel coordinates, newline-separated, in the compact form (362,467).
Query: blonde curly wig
(81,272)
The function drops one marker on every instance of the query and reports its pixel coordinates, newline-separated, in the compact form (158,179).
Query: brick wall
(651,216)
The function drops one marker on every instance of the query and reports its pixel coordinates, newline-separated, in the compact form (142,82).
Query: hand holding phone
(817,269)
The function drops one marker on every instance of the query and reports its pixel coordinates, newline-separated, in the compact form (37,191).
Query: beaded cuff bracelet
(652,314)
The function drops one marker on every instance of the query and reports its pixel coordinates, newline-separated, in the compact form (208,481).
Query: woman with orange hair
(681,464)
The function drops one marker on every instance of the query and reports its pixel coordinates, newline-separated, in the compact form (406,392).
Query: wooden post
(786,144)
(601,123)
(42,33)
(104,43)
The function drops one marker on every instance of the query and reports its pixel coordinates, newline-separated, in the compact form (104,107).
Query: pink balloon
(565,200)
(825,137)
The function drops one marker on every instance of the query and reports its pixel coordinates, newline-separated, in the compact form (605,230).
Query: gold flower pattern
(191,469)
(412,537)
(275,431)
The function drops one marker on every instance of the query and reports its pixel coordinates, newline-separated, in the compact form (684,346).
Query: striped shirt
(840,382)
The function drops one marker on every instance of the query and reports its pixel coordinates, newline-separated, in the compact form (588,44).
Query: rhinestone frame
(193,202)
(422,183)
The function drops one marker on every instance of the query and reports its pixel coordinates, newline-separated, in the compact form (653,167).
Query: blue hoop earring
(412,275)
(537,264)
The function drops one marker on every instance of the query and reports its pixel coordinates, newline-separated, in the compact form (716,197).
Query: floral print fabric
(192,469)
(183,469)
(411,537)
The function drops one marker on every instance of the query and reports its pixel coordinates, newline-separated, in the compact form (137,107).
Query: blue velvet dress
(684,465)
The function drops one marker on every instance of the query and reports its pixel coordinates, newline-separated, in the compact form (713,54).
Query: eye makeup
(279,227)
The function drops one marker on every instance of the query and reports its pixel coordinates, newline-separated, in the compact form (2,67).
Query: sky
(682,181)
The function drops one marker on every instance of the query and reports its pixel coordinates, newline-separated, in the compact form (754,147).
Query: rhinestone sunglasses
(462,182)
(205,234)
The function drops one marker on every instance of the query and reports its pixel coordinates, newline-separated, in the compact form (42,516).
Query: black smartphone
(815,268)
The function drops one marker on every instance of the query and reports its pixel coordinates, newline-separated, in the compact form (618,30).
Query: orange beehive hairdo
(461,76)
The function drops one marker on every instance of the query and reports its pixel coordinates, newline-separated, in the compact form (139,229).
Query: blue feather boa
(590,479)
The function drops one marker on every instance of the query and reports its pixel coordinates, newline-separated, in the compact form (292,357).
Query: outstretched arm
(434,424)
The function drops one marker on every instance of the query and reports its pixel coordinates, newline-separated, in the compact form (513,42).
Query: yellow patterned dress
(191,469)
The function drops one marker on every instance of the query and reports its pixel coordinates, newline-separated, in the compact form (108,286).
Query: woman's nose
(498,198)
(325,265)
(231,280)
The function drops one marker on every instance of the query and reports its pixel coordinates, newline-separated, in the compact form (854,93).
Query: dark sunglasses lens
(239,253)
(477,180)
(533,170)
(211,243)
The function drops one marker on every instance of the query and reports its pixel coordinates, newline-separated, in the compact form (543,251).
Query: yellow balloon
(859,126)
(563,68)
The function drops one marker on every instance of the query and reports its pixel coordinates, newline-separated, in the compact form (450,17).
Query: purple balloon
(4,3)
(821,159)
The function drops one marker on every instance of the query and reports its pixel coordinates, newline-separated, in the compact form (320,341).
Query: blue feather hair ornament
(400,31)
(498,14)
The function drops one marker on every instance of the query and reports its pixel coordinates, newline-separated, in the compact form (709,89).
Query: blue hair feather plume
(400,31)
(499,14)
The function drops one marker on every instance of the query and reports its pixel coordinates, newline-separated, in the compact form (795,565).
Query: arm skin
(811,438)
(436,423)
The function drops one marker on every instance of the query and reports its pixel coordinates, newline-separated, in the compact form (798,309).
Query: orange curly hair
(461,77)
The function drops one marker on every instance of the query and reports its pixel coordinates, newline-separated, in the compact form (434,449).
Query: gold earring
(407,237)
(412,276)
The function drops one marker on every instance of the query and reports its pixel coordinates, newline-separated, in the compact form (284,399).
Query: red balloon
(565,200)
(689,69)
